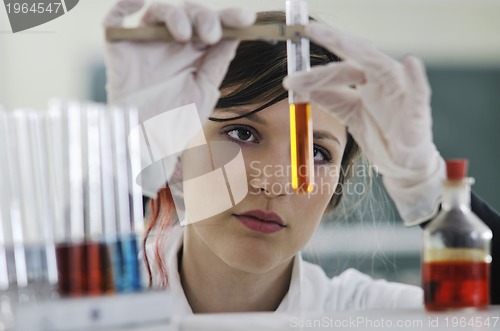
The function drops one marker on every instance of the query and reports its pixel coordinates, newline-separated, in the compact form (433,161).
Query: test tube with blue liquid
(128,202)
(135,194)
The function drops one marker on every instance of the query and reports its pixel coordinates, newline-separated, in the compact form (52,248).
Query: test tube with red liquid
(83,261)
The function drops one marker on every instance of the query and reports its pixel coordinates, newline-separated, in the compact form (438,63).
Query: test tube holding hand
(298,60)
(301,149)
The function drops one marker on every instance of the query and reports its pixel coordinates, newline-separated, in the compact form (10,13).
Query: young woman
(246,256)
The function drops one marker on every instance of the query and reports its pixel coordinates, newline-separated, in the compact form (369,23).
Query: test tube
(301,149)
(7,270)
(137,210)
(99,278)
(134,157)
(65,148)
(36,122)
(108,181)
(31,226)
(17,252)
(82,254)
(58,178)
(125,256)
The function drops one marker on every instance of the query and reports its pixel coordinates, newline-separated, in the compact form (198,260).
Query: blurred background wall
(459,40)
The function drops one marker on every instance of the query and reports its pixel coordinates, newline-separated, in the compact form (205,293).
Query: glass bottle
(456,249)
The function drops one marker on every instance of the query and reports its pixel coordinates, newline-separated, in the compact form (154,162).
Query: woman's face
(271,223)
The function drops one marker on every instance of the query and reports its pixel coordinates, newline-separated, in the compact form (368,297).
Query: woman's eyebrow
(319,134)
(251,116)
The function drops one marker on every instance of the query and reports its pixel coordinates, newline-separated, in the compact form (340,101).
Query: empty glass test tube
(41,197)
(8,288)
(27,246)
(301,149)
(14,225)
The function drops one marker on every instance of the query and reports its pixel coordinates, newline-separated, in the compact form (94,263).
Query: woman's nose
(271,176)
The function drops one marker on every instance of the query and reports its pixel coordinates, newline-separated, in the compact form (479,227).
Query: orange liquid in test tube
(301,143)
(301,147)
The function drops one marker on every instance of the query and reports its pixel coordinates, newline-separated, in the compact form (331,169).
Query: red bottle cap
(456,169)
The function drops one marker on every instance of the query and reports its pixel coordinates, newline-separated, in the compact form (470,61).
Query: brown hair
(254,77)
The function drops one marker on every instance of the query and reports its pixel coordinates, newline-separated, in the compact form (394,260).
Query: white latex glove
(174,85)
(388,114)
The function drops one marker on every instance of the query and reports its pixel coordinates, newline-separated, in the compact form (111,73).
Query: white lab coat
(310,289)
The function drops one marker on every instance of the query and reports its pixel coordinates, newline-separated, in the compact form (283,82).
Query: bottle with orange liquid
(456,249)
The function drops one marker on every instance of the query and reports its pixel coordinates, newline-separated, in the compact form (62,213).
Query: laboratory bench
(149,312)
(397,319)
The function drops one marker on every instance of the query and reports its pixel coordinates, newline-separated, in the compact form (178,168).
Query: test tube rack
(117,312)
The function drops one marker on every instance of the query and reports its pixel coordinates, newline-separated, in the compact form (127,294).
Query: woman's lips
(261,221)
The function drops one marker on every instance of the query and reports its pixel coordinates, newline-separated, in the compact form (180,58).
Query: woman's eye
(321,155)
(242,134)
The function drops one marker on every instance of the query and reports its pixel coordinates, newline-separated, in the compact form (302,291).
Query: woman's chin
(254,258)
